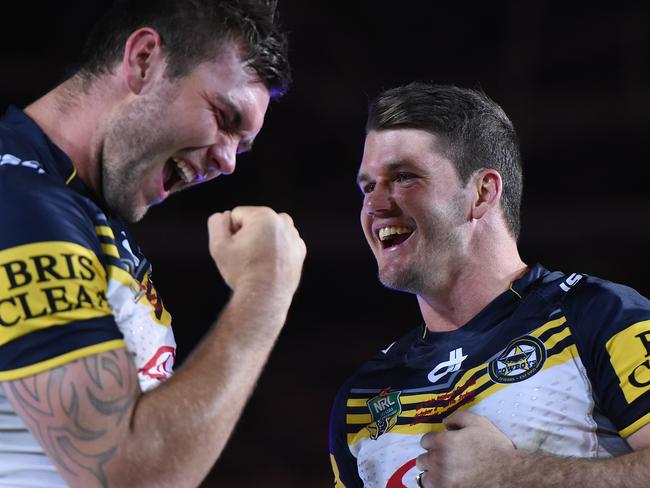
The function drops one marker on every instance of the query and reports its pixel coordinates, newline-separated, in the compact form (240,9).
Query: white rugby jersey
(558,363)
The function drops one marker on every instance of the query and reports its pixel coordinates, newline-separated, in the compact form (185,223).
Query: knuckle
(264,210)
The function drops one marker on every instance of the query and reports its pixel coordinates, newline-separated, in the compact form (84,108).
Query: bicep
(79,412)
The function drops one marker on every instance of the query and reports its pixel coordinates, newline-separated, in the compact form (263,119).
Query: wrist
(265,289)
(270,298)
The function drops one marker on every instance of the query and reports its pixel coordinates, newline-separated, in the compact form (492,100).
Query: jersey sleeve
(344,464)
(611,324)
(53,306)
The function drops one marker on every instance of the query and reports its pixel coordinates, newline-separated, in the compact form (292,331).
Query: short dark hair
(474,133)
(193,31)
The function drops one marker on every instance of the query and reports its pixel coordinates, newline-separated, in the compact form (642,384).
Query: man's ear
(489,186)
(143,61)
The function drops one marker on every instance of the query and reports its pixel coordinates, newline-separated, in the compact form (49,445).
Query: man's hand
(258,248)
(466,455)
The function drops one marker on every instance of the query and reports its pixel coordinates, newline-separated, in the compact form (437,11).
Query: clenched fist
(256,247)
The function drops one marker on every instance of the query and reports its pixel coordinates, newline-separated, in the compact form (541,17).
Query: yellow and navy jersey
(72,282)
(559,363)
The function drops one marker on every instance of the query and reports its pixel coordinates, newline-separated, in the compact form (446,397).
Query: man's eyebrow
(389,168)
(245,146)
(235,117)
(362,178)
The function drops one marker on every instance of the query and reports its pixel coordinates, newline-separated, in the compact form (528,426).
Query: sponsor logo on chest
(456,358)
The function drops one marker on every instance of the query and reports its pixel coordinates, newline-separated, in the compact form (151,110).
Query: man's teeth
(388,232)
(184,170)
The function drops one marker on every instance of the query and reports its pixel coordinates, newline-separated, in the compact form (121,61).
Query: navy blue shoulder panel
(37,205)
(39,208)
(611,326)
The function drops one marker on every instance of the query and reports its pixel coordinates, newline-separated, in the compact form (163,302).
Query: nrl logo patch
(384,409)
(521,359)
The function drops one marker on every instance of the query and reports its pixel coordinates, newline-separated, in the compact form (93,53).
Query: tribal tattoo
(75,410)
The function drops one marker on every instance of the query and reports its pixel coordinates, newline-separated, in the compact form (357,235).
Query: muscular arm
(474,453)
(100,430)
(628,471)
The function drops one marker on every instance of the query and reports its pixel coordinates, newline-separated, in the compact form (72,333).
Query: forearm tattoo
(75,410)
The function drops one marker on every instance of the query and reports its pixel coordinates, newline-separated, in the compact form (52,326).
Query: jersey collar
(499,308)
(520,287)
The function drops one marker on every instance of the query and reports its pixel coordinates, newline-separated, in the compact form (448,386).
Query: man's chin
(397,281)
(130,214)
(136,215)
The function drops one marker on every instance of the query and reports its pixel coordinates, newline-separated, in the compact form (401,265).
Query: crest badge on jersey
(520,360)
(384,409)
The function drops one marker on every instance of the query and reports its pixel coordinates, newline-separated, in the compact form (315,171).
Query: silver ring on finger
(418,479)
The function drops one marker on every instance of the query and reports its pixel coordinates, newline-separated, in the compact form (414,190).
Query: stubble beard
(132,146)
(119,186)
(419,276)
(435,260)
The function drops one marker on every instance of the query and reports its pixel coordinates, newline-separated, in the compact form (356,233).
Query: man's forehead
(246,105)
(393,150)
(390,146)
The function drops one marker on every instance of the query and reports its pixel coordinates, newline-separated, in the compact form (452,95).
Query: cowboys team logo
(521,359)
(384,409)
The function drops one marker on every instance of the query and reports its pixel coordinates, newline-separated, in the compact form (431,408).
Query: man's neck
(483,278)
(69,116)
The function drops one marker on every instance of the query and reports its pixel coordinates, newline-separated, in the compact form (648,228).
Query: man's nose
(223,155)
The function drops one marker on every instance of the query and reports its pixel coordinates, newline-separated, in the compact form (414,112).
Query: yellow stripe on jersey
(111,250)
(567,354)
(629,353)
(631,429)
(121,276)
(36,368)
(547,326)
(357,402)
(358,418)
(104,230)
(47,284)
(337,477)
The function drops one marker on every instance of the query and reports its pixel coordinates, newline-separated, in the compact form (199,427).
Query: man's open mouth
(177,172)
(392,236)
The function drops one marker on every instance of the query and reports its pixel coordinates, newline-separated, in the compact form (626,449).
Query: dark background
(575,79)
